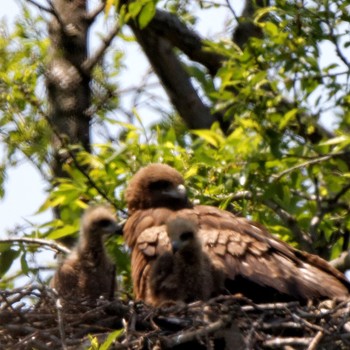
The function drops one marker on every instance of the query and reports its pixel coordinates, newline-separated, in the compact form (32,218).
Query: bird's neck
(91,247)
(190,254)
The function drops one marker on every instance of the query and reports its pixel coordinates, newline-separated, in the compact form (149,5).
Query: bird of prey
(88,273)
(252,261)
(185,264)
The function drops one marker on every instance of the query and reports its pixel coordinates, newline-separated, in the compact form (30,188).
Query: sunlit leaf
(110,339)
(7,257)
(147,13)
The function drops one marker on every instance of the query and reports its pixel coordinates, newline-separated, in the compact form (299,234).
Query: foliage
(271,165)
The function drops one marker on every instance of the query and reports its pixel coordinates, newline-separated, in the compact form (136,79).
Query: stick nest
(33,318)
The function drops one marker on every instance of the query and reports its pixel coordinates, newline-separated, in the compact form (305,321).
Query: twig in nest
(314,343)
(61,323)
(185,337)
(278,342)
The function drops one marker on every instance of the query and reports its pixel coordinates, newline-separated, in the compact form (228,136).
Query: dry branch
(30,319)
(59,248)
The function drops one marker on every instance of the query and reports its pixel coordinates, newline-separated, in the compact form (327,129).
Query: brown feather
(184,272)
(88,273)
(253,261)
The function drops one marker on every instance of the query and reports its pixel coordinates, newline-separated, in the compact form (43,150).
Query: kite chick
(88,273)
(184,272)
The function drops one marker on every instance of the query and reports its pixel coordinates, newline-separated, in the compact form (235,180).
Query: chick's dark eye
(104,223)
(159,185)
(186,236)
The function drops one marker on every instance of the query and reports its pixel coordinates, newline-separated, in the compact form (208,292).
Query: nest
(33,318)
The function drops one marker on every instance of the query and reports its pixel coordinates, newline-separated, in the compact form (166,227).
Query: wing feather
(245,252)
(248,251)
(145,234)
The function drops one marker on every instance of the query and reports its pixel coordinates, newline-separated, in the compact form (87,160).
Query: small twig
(94,13)
(57,247)
(303,165)
(308,324)
(61,323)
(342,263)
(314,343)
(184,337)
(302,237)
(277,342)
(232,10)
(41,7)
(92,61)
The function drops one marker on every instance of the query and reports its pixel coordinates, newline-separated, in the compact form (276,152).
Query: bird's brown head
(98,221)
(182,233)
(156,185)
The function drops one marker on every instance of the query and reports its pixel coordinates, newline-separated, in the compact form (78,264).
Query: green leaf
(108,6)
(134,8)
(63,232)
(6,259)
(337,140)
(271,28)
(262,12)
(24,264)
(287,118)
(211,136)
(94,343)
(147,13)
(110,339)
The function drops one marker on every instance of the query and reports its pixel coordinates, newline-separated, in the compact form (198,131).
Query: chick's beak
(175,246)
(119,226)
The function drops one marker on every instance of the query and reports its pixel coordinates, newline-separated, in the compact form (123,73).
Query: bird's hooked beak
(178,192)
(119,227)
(175,246)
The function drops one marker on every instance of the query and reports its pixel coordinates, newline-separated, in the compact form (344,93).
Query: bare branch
(94,13)
(301,237)
(310,162)
(196,334)
(179,35)
(61,323)
(315,341)
(175,79)
(41,7)
(60,248)
(342,263)
(280,343)
(92,61)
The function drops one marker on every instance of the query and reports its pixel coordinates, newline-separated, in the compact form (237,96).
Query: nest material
(33,318)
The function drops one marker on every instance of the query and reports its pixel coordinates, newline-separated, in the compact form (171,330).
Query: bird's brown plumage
(183,272)
(253,262)
(88,273)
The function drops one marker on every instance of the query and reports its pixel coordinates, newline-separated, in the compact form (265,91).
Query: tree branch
(90,63)
(57,247)
(174,78)
(94,13)
(310,162)
(301,237)
(342,263)
(188,41)
(41,7)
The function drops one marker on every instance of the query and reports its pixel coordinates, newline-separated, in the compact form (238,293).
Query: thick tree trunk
(68,86)
(67,83)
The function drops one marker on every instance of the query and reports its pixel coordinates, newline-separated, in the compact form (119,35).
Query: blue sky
(25,190)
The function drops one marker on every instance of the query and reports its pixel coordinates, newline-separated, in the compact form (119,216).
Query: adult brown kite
(252,261)
(88,273)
